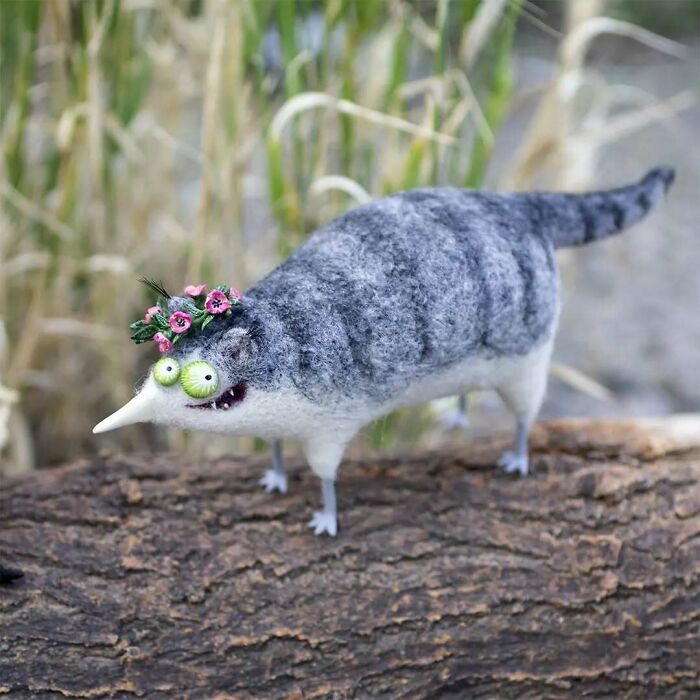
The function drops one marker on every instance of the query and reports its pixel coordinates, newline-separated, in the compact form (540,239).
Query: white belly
(288,414)
(474,374)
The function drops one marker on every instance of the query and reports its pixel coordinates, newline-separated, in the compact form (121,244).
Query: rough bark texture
(152,578)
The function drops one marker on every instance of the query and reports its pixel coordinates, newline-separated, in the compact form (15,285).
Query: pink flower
(164,345)
(217,302)
(235,294)
(152,310)
(196,290)
(180,322)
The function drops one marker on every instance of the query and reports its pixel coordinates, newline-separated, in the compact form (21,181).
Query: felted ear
(178,303)
(238,344)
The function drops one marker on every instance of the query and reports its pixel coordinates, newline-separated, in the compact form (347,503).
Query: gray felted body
(418,295)
(412,283)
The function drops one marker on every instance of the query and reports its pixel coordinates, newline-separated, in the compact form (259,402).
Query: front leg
(517,461)
(275,479)
(324,453)
(326,520)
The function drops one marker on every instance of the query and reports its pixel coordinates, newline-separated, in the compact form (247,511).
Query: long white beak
(139,410)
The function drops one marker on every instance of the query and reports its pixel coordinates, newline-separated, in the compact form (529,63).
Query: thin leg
(326,520)
(275,479)
(462,404)
(523,396)
(277,458)
(457,419)
(517,461)
(324,452)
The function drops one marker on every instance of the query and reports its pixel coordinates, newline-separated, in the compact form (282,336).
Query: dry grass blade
(576,44)
(620,126)
(25,262)
(581,382)
(163,137)
(343,184)
(210,116)
(34,212)
(553,144)
(80,329)
(114,264)
(314,100)
(486,20)
(470,103)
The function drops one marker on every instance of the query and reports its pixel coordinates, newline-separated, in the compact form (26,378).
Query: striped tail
(576,219)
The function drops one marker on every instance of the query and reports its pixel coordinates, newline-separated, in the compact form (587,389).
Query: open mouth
(223,402)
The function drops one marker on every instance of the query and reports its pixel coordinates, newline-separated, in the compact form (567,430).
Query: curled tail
(575,219)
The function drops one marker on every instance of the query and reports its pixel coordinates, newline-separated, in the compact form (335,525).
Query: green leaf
(169,334)
(207,321)
(228,313)
(160,321)
(144,334)
(138,324)
(177,339)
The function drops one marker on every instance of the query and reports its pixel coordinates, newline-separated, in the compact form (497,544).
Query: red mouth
(223,402)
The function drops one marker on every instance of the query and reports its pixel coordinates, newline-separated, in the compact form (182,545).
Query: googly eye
(166,371)
(199,380)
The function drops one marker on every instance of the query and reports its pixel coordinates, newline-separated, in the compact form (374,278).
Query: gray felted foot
(514,463)
(323,522)
(326,520)
(454,420)
(274,481)
(457,419)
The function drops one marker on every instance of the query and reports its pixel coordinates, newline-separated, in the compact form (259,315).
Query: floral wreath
(166,329)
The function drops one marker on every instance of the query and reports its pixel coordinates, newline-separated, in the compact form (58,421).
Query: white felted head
(201,387)
(211,383)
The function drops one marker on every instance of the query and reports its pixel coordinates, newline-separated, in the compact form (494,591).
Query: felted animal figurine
(419,295)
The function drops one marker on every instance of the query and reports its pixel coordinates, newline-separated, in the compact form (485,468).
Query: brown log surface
(150,577)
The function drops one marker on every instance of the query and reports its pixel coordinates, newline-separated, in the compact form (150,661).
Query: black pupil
(208,377)
(169,368)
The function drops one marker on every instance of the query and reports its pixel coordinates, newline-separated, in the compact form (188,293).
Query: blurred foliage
(202,140)
(131,139)
(674,17)
(668,17)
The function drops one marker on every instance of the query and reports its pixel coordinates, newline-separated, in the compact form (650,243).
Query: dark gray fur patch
(576,219)
(410,284)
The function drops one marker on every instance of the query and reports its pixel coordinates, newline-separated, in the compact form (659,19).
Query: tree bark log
(149,577)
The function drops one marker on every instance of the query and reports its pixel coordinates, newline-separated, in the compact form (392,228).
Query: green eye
(166,371)
(199,380)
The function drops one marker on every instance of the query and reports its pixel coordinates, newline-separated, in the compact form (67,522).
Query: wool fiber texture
(411,284)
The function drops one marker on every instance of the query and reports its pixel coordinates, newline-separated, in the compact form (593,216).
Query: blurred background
(202,140)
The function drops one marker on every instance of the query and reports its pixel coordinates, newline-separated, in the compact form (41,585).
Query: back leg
(523,396)
(324,451)
(457,419)
(275,479)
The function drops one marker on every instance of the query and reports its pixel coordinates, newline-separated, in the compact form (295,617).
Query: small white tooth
(230,391)
(226,405)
